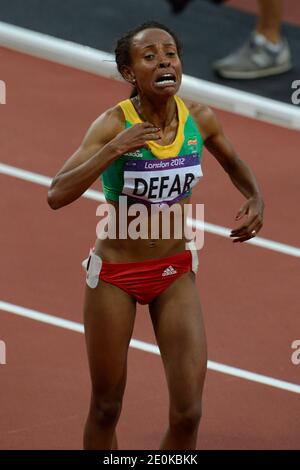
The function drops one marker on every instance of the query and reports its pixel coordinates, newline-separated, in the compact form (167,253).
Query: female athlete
(148,149)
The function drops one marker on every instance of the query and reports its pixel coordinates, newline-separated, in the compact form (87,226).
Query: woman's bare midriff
(117,250)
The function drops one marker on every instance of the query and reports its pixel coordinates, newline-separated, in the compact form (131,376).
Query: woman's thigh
(178,324)
(109,315)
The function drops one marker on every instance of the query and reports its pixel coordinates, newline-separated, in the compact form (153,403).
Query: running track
(250,295)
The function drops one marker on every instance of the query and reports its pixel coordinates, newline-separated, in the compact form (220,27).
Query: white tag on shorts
(93,266)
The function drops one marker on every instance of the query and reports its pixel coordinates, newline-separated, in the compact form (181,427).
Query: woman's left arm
(239,172)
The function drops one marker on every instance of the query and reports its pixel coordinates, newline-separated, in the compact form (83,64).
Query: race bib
(157,181)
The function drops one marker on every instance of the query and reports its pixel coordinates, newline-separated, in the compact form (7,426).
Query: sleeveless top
(161,174)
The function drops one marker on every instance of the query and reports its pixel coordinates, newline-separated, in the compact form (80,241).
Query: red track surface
(249,294)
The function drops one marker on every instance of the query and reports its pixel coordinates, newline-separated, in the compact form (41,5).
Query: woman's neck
(160,113)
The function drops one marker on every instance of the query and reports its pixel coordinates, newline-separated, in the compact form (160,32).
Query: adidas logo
(136,154)
(169,271)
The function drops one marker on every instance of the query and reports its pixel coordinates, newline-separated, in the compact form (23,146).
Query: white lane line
(257,241)
(43,180)
(210,228)
(151,348)
(103,64)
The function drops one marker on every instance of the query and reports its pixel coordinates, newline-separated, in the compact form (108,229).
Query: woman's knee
(186,419)
(105,411)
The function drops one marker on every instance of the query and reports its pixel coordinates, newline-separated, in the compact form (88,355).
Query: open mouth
(165,80)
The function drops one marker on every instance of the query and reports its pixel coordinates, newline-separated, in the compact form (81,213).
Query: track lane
(249,313)
(51,106)
(49,366)
(241,314)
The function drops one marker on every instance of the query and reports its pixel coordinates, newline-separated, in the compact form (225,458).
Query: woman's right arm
(104,142)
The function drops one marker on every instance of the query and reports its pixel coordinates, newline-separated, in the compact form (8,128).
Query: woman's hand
(135,137)
(253,208)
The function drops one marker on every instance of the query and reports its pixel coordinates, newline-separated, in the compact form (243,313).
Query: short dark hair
(122,50)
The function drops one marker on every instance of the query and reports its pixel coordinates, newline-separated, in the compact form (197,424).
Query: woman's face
(155,64)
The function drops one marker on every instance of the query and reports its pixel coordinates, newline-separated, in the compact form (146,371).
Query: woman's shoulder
(203,115)
(113,117)
(198,110)
(108,124)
